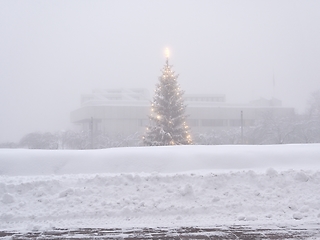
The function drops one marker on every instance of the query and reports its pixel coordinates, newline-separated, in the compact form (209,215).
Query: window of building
(248,122)
(143,122)
(235,122)
(193,122)
(213,122)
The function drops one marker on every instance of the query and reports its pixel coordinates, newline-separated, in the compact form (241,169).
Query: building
(125,111)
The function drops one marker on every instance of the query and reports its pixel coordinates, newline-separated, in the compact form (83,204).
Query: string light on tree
(167,119)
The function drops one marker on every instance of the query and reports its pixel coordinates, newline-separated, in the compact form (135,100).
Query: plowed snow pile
(160,186)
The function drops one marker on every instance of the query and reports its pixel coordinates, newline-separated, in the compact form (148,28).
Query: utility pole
(91,132)
(241,127)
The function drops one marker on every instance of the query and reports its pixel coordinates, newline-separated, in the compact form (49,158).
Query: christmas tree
(167,119)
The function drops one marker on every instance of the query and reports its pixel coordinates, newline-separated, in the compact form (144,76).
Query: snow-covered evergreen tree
(167,119)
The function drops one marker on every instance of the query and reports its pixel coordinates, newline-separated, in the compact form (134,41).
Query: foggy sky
(53,51)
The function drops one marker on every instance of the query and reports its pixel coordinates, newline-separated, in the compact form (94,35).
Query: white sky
(52,51)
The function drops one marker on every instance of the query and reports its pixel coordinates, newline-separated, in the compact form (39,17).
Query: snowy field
(175,186)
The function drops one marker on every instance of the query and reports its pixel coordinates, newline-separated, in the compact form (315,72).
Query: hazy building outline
(125,111)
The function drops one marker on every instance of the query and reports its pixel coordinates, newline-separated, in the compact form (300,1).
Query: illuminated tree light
(167,103)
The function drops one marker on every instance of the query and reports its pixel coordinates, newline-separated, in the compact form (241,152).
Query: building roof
(120,96)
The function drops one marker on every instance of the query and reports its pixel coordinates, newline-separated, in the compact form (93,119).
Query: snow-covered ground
(174,186)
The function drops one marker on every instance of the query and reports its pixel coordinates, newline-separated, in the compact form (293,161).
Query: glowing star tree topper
(167,53)
(167,119)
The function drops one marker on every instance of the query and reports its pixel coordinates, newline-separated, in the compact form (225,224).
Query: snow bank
(158,159)
(160,200)
(160,187)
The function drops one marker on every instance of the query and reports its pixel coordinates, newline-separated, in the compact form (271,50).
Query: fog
(53,51)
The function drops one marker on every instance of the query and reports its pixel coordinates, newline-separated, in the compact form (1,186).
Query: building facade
(125,111)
